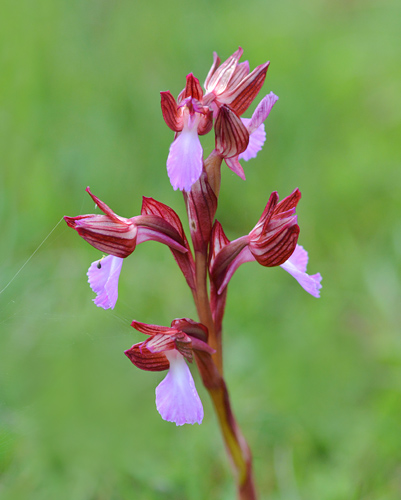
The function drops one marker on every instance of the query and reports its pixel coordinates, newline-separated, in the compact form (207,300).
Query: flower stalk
(211,261)
(237,448)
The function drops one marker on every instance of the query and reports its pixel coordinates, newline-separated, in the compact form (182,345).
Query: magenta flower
(176,397)
(118,236)
(188,118)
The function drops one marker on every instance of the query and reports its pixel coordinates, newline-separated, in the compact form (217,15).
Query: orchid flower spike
(166,349)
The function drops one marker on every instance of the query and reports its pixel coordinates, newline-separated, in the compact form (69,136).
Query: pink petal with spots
(104,280)
(176,397)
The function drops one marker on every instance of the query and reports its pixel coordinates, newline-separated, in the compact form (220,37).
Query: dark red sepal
(146,360)
(191,327)
(274,238)
(243,95)
(232,137)
(109,233)
(192,88)
(148,329)
(185,336)
(170,111)
(291,201)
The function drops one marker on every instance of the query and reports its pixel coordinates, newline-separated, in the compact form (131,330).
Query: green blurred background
(315,383)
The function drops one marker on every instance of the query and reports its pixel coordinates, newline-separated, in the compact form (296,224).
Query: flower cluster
(229,90)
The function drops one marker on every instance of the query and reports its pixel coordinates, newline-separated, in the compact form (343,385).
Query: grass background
(316,384)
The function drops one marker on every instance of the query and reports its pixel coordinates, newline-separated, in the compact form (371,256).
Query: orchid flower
(188,118)
(166,349)
(118,236)
(272,242)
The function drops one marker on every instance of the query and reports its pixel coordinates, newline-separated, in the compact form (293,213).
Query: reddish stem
(203,306)
(211,371)
(200,203)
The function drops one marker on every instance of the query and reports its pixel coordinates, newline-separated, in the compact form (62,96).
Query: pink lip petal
(296,266)
(176,397)
(184,162)
(104,280)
